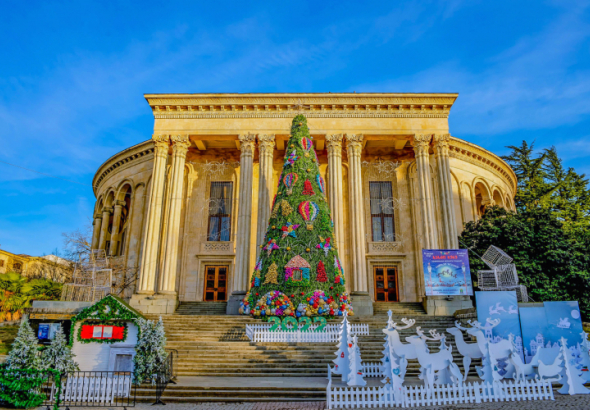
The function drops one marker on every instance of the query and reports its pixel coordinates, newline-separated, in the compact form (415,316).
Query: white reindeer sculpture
(402,351)
(438,364)
(469,351)
(496,351)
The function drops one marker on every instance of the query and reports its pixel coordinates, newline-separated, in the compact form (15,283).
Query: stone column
(151,237)
(116,224)
(361,300)
(449,226)
(106,216)
(242,266)
(167,285)
(334,146)
(266,146)
(96,231)
(421,145)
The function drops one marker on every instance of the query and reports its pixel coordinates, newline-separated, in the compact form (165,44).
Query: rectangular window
(382,211)
(220,207)
(123,363)
(1,263)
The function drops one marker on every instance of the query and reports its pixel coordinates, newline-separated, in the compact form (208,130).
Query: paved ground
(561,402)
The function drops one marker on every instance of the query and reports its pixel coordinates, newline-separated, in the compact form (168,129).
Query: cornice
(121,159)
(342,105)
(469,152)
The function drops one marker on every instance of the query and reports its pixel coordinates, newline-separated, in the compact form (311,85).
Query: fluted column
(266,146)
(421,145)
(104,228)
(449,226)
(167,285)
(151,237)
(354,145)
(334,146)
(116,224)
(240,277)
(96,231)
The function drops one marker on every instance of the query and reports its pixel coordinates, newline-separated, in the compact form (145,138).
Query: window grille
(382,213)
(220,208)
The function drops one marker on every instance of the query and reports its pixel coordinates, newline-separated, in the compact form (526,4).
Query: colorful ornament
(274,303)
(286,209)
(292,158)
(306,143)
(256,274)
(309,211)
(307,188)
(339,279)
(270,246)
(321,276)
(325,245)
(297,270)
(289,180)
(289,230)
(272,274)
(321,183)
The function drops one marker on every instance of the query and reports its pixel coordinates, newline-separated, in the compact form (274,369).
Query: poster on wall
(504,306)
(446,272)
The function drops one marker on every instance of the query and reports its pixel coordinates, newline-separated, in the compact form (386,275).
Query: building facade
(190,206)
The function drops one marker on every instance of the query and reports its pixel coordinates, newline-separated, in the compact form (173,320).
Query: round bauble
(288,248)
(308,250)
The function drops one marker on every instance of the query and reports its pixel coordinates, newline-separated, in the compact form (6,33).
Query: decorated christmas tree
(58,355)
(298,272)
(355,374)
(24,349)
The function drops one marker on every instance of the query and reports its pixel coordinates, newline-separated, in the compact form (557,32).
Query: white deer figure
(495,351)
(468,350)
(512,310)
(497,309)
(401,351)
(434,364)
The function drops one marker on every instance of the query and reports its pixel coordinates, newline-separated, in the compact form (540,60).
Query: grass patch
(7,335)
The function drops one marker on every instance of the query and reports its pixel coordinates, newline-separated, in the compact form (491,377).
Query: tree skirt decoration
(274,303)
(289,230)
(345,305)
(321,276)
(317,304)
(245,305)
(297,270)
(309,211)
(289,180)
(325,245)
(288,247)
(272,274)
(321,183)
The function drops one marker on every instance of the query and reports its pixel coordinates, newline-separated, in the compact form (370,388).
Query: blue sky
(73,75)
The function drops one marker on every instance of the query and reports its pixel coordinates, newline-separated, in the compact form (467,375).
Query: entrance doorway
(215,283)
(385,279)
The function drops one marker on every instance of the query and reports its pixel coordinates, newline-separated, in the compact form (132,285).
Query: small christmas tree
(355,374)
(391,370)
(573,383)
(150,353)
(342,354)
(58,355)
(24,349)
(585,357)
(321,277)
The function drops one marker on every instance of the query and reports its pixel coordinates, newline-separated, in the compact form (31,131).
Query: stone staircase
(217,346)
(201,308)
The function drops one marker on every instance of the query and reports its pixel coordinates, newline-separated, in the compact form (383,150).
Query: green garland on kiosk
(108,310)
(19,387)
(103,323)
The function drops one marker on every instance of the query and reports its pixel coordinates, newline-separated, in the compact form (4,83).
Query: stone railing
(217,248)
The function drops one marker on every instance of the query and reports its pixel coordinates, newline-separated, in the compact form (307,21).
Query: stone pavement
(580,402)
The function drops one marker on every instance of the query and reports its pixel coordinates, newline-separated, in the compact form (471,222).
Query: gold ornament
(292,145)
(273,227)
(313,160)
(271,275)
(308,249)
(308,170)
(288,248)
(306,154)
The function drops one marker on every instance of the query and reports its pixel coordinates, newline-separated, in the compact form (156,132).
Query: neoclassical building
(190,206)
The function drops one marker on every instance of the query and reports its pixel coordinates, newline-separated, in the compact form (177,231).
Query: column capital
(98,216)
(180,145)
(180,139)
(119,203)
(421,142)
(266,143)
(355,141)
(441,142)
(334,138)
(107,209)
(247,142)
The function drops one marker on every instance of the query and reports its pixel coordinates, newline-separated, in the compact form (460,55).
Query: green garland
(19,387)
(108,310)
(97,323)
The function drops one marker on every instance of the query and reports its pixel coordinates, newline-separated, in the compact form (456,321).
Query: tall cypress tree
(298,272)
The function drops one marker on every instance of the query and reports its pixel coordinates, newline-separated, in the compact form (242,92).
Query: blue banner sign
(446,272)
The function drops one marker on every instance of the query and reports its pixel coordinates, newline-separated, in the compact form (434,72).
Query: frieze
(216,248)
(290,114)
(385,247)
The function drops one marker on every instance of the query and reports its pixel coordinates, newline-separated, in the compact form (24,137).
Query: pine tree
(342,362)
(58,355)
(573,383)
(150,352)
(300,240)
(355,374)
(24,349)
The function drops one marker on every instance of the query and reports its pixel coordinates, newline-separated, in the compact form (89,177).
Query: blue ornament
(396,371)
(263,312)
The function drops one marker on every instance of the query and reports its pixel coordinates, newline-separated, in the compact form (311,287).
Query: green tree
(58,355)
(24,353)
(298,272)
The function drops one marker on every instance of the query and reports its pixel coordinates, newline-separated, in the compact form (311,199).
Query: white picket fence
(96,389)
(413,396)
(372,369)
(261,333)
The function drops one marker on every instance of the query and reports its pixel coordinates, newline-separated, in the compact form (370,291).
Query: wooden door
(385,278)
(215,283)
